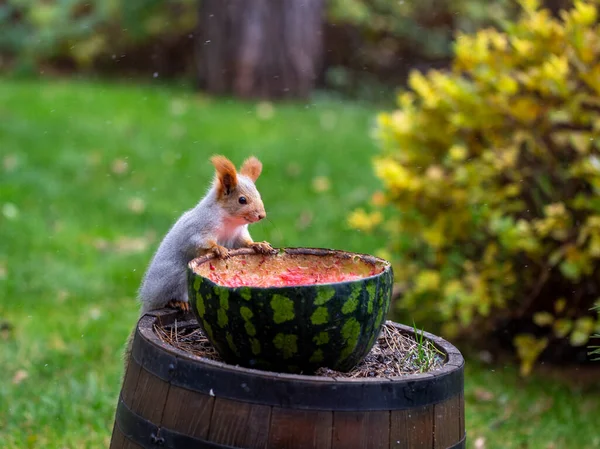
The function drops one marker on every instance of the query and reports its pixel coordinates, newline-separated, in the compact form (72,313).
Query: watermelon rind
(293,329)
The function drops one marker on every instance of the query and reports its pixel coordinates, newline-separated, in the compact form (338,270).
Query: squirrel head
(236,192)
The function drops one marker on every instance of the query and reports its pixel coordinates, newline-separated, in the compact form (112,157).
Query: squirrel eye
(242,200)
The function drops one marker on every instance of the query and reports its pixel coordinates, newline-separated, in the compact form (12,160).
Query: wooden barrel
(172,399)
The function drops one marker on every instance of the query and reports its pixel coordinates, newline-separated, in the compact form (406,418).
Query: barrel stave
(293,429)
(239,424)
(188,412)
(368,430)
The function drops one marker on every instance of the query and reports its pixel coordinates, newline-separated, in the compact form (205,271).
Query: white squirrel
(218,223)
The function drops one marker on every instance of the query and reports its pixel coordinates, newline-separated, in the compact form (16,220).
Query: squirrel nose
(261,216)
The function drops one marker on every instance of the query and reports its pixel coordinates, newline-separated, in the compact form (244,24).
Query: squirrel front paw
(220,251)
(262,247)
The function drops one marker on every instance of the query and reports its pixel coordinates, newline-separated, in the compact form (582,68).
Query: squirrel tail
(127,353)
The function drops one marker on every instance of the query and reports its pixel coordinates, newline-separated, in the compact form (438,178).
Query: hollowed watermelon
(294,311)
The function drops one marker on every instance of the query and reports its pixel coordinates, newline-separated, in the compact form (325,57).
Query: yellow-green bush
(491,175)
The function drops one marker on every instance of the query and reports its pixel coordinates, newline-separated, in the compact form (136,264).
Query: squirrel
(218,223)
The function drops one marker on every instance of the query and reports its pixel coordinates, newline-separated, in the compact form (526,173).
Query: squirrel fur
(218,223)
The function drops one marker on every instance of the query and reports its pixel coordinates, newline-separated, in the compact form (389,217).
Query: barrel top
(294,390)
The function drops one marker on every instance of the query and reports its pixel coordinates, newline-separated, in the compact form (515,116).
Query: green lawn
(93,175)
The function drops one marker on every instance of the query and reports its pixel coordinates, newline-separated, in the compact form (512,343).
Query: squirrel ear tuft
(226,174)
(252,168)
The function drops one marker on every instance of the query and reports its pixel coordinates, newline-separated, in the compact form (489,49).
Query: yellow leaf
(402,122)
(435,172)
(507,85)
(579,338)
(525,109)
(585,324)
(427,280)
(522,46)
(543,319)
(361,220)
(422,87)
(528,349)
(530,5)
(562,327)
(560,305)
(457,152)
(395,176)
(584,13)
(592,78)
(582,142)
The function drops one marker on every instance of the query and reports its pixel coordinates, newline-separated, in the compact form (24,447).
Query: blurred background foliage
(377,41)
(369,43)
(104,35)
(491,176)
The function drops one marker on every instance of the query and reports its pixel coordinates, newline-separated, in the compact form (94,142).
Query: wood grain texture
(461,411)
(292,429)
(239,424)
(446,428)
(119,441)
(361,430)
(258,426)
(149,397)
(131,380)
(188,412)
(412,428)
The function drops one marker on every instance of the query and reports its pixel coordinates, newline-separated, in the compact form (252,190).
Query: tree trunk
(260,48)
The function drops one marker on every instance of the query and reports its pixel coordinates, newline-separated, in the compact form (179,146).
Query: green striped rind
(293,329)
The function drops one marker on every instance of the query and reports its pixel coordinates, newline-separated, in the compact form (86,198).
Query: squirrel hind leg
(179,298)
(179,305)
